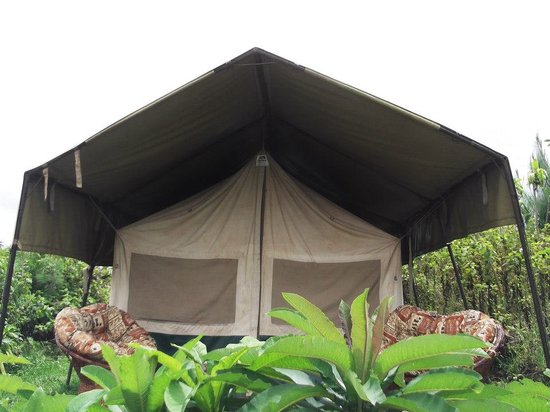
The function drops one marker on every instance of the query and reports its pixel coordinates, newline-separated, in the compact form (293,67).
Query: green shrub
(42,286)
(322,370)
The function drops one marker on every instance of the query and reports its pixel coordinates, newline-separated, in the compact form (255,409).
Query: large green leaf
(280,397)
(99,375)
(360,333)
(155,398)
(538,389)
(281,360)
(229,361)
(40,402)
(164,359)
(315,316)
(344,313)
(86,399)
(136,375)
(370,391)
(418,402)
(487,392)
(12,359)
(437,361)
(526,402)
(380,315)
(177,396)
(12,384)
(477,405)
(115,396)
(112,359)
(446,379)
(426,346)
(313,347)
(181,353)
(247,380)
(295,319)
(253,344)
(434,362)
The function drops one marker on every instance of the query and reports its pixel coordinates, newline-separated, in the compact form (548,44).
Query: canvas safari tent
(258,177)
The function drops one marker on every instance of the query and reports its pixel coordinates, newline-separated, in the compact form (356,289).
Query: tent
(240,152)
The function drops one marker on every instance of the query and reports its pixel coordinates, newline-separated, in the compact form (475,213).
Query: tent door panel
(325,284)
(193,291)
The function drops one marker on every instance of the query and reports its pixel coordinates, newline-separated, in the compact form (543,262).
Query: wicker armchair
(407,321)
(79,333)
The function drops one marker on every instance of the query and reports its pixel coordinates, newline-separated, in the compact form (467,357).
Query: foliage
(25,396)
(42,286)
(321,370)
(536,201)
(495,282)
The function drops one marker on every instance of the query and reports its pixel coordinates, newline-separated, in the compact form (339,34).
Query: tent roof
(399,171)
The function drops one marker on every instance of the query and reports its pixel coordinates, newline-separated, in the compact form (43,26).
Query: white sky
(70,68)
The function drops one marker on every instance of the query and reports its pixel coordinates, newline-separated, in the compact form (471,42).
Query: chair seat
(407,321)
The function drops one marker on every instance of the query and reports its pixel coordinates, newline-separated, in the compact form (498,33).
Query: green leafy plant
(359,376)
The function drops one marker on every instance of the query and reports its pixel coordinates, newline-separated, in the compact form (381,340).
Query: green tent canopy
(398,171)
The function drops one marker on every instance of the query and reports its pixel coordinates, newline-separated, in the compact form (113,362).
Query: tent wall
(217,262)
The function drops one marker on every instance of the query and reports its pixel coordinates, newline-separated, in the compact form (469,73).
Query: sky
(68,69)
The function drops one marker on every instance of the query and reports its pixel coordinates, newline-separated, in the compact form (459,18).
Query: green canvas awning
(399,171)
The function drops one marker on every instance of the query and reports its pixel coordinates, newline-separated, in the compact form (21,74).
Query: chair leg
(69,373)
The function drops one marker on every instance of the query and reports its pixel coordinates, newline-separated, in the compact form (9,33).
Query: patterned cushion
(407,321)
(83,330)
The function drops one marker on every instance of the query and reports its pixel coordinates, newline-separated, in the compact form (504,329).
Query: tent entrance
(215,263)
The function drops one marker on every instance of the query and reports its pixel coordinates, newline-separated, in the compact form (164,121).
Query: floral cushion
(83,330)
(407,321)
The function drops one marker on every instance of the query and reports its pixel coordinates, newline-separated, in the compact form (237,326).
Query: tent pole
(11,261)
(458,276)
(527,257)
(413,296)
(7,290)
(88,277)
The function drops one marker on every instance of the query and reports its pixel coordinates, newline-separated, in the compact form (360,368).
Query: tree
(538,199)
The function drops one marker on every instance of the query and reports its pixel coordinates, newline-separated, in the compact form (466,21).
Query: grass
(47,369)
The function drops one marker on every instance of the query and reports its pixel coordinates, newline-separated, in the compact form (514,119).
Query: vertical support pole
(11,261)
(458,276)
(7,290)
(88,277)
(527,257)
(412,287)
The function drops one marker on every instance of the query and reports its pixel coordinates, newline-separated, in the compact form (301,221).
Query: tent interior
(258,177)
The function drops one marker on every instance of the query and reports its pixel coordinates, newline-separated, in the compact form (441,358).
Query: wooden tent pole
(458,276)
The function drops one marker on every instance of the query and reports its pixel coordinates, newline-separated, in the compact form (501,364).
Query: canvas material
(378,161)
(225,222)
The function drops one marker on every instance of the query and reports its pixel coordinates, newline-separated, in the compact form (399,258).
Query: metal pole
(412,287)
(88,277)
(11,261)
(527,257)
(7,290)
(458,276)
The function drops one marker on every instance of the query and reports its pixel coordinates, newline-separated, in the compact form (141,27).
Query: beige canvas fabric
(331,254)
(220,223)
(302,226)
